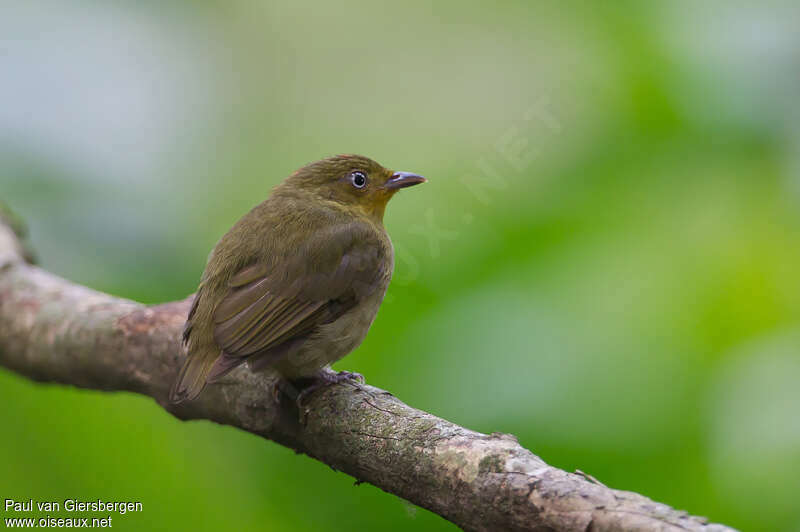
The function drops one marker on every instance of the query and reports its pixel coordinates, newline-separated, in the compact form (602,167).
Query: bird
(296,283)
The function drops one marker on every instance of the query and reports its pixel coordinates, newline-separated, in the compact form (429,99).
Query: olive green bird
(296,283)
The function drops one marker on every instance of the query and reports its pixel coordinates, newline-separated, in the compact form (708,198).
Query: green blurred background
(605,261)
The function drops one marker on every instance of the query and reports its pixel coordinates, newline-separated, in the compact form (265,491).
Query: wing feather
(267,307)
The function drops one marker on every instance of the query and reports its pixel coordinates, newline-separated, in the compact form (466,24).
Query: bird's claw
(324,379)
(344,376)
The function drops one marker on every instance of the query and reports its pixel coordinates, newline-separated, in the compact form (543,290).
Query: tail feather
(224,364)
(192,378)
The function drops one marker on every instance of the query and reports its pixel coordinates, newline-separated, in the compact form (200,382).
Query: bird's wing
(314,283)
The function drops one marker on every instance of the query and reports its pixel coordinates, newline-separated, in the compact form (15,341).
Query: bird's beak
(403,179)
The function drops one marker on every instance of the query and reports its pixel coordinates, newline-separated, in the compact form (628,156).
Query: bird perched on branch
(297,282)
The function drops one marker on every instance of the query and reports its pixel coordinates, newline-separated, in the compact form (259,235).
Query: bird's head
(355,182)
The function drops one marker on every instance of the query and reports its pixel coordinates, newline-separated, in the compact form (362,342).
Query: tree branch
(54,331)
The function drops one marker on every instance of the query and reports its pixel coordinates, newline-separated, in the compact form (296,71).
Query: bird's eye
(359,179)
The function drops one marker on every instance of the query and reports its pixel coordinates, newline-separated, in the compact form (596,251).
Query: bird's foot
(344,376)
(284,387)
(325,378)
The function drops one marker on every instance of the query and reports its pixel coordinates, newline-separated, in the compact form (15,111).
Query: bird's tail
(200,369)
(193,376)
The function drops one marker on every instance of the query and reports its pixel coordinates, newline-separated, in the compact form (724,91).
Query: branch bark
(54,331)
